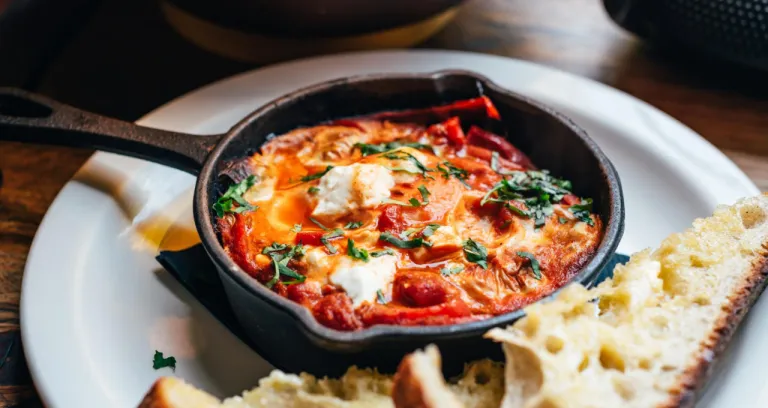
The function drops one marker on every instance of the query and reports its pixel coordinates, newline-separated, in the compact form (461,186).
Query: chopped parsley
(476,252)
(158,361)
(536,189)
(534,263)
(281,254)
(583,211)
(380,297)
(403,243)
(313,190)
(316,222)
(422,169)
(451,271)
(234,194)
(391,201)
(424,197)
(369,149)
(424,194)
(387,251)
(336,233)
(315,176)
(353,225)
(563,220)
(495,161)
(296,228)
(430,229)
(357,253)
(449,170)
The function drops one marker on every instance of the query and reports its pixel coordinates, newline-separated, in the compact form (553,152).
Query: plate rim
(168,116)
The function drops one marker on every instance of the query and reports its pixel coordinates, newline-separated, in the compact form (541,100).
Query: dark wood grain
(134,73)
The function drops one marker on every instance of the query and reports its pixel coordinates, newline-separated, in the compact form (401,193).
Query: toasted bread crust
(407,389)
(157,395)
(419,382)
(693,380)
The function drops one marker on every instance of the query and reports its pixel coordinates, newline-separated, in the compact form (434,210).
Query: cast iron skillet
(285,333)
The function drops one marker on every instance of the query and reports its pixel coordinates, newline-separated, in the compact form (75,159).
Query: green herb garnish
(534,263)
(315,176)
(158,361)
(475,252)
(449,170)
(316,222)
(451,271)
(414,202)
(387,251)
(422,169)
(583,211)
(357,253)
(281,254)
(403,243)
(353,225)
(563,220)
(394,202)
(424,194)
(380,297)
(369,149)
(313,190)
(296,228)
(430,229)
(234,194)
(495,161)
(336,233)
(536,189)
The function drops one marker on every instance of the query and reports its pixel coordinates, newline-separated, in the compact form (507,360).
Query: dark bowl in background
(265,31)
(287,333)
(310,18)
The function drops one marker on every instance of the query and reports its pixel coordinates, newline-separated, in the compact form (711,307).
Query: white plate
(95,304)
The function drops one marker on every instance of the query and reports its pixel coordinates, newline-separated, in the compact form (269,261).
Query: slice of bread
(481,385)
(648,337)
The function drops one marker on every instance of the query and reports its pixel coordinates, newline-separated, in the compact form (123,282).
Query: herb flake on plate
(159,361)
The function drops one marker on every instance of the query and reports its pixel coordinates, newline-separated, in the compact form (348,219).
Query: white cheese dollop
(347,188)
(361,280)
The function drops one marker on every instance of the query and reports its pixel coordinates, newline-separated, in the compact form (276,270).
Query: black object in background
(732,31)
(193,268)
(31,34)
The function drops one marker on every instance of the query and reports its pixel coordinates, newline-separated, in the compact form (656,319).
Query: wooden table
(727,106)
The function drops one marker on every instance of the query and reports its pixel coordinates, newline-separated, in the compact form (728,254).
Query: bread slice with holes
(481,385)
(648,337)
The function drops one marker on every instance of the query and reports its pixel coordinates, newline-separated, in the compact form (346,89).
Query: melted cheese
(361,280)
(347,188)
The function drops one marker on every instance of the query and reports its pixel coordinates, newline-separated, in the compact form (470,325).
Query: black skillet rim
(204,217)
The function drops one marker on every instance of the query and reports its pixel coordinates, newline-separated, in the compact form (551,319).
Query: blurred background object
(734,31)
(269,31)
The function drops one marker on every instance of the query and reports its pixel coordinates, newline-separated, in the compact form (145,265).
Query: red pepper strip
(570,199)
(451,130)
(481,105)
(309,237)
(488,140)
(485,154)
(348,123)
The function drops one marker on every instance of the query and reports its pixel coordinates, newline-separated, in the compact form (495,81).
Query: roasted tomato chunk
(336,311)
(454,311)
(451,130)
(421,289)
(309,237)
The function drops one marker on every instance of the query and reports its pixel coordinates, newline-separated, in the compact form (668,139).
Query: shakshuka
(375,220)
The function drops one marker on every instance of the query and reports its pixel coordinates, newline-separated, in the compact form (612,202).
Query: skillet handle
(30,118)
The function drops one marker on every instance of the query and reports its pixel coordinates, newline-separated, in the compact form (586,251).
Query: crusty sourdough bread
(481,385)
(652,336)
(645,339)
